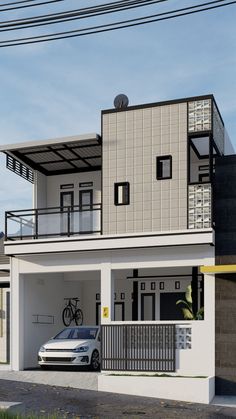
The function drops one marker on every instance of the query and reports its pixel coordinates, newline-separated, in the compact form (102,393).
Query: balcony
(53,222)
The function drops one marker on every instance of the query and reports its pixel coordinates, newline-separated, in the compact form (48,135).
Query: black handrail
(22,218)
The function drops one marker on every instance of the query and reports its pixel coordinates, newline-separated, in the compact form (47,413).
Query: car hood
(65,344)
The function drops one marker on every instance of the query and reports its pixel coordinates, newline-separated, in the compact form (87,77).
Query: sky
(59,88)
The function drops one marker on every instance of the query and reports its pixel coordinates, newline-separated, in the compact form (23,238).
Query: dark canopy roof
(61,156)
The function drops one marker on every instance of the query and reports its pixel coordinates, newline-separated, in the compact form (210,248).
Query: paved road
(74,403)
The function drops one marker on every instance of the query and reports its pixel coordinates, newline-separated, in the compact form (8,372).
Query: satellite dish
(121,102)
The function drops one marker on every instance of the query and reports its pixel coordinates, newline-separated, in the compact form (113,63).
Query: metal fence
(149,347)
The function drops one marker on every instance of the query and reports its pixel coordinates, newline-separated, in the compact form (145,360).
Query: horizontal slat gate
(138,347)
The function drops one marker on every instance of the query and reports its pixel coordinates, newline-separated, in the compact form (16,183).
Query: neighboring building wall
(4,259)
(132,139)
(225,224)
(225,334)
(4,303)
(225,209)
(4,325)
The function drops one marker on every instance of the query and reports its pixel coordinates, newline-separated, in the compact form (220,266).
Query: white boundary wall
(197,390)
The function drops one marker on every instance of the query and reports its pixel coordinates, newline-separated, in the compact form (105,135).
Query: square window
(121,193)
(164,167)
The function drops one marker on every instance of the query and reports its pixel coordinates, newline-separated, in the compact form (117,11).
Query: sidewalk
(226,401)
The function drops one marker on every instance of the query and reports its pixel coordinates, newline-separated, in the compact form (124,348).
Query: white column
(107,294)
(17,318)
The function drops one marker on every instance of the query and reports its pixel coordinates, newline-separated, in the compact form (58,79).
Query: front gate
(139,347)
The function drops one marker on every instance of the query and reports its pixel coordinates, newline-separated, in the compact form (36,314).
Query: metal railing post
(126,349)
(6,225)
(36,223)
(68,222)
(21,229)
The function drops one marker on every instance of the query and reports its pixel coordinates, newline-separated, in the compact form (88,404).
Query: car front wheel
(95,361)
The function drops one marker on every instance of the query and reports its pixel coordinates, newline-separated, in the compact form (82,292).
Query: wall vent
(19,168)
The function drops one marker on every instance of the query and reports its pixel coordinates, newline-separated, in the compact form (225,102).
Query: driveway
(73,403)
(80,379)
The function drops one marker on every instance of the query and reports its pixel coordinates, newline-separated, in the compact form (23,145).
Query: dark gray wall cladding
(225,209)
(225,223)
(226,334)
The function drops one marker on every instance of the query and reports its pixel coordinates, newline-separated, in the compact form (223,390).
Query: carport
(44,302)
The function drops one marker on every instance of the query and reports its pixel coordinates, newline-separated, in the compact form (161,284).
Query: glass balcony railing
(53,222)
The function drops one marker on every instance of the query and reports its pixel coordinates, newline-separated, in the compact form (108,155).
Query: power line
(2,24)
(83,13)
(40,3)
(113,26)
(17,2)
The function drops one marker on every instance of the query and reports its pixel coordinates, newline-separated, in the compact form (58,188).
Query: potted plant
(187,307)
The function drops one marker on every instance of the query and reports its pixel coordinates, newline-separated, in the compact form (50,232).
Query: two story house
(124,221)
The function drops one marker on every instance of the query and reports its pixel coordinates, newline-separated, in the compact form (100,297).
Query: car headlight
(81,349)
(42,349)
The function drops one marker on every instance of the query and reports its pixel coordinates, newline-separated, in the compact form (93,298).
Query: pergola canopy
(54,157)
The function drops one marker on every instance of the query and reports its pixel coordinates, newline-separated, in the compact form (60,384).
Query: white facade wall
(42,297)
(47,188)
(40,191)
(44,302)
(54,182)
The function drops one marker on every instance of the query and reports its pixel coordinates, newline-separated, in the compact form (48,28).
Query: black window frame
(127,194)
(158,159)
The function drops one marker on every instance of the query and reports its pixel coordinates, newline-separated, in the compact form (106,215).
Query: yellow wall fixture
(217,269)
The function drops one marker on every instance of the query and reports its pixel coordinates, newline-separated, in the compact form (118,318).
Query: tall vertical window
(164,167)
(121,196)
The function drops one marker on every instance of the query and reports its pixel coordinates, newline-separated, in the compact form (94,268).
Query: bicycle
(71,312)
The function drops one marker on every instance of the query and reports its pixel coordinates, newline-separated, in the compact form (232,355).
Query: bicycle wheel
(78,317)
(67,316)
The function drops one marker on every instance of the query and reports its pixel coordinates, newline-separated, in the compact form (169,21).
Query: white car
(73,346)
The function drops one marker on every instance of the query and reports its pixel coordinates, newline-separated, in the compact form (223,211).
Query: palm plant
(187,308)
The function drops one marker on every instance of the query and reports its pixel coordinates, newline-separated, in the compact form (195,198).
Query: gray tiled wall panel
(131,142)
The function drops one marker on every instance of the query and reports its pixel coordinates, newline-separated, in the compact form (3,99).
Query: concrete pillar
(107,294)
(17,318)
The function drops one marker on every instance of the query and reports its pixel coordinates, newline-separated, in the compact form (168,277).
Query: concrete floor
(84,380)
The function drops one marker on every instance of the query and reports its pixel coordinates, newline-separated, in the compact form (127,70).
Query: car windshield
(84,333)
